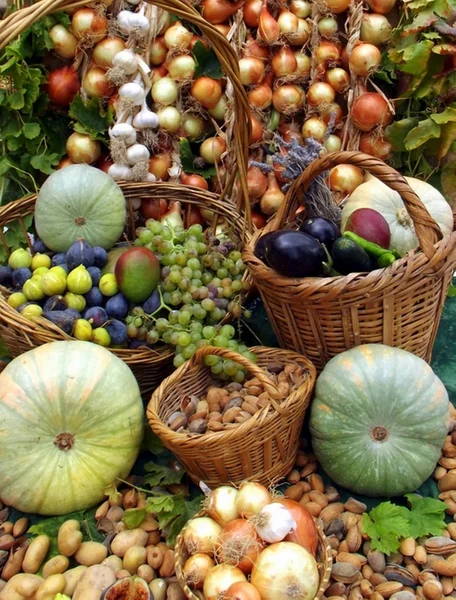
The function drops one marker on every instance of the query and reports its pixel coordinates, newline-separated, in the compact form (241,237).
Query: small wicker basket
(323,557)
(149,366)
(398,306)
(263,448)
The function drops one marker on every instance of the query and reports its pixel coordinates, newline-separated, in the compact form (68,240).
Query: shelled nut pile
(140,551)
(226,406)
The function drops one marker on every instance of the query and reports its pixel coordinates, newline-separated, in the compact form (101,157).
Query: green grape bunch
(201,282)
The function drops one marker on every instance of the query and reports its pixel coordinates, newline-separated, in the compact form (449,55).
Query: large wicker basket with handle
(399,306)
(263,448)
(149,366)
(323,558)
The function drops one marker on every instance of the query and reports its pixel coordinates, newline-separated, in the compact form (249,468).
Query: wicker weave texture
(399,306)
(149,366)
(263,448)
(323,557)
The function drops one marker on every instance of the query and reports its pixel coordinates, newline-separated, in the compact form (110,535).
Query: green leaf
(446,139)
(449,114)
(207,62)
(14,143)
(451,291)
(448,179)
(159,475)
(188,160)
(422,20)
(91,116)
(398,131)
(416,57)
(386,524)
(45,162)
(133,517)
(423,132)
(31,130)
(172,513)
(427,516)
(5,165)
(153,443)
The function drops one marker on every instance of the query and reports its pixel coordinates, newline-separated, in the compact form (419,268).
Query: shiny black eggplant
(295,254)
(324,230)
(260,246)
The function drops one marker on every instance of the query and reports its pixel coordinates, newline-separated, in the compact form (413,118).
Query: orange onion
(284,62)
(158,51)
(251,70)
(345,179)
(326,113)
(239,545)
(251,12)
(104,51)
(288,99)
(206,91)
(301,35)
(64,162)
(211,150)
(65,44)
(159,165)
(219,11)
(242,590)
(337,6)
(88,24)
(301,8)
(320,93)
(314,128)
(194,180)
(305,534)
(268,28)
(96,85)
(257,184)
(364,59)
(224,29)
(375,29)
(287,22)
(304,64)
(338,79)
(81,148)
(382,7)
(273,197)
(253,48)
(370,110)
(256,134)
(260,97)
(375,146)
(258,219)
(327,54)
(196,568)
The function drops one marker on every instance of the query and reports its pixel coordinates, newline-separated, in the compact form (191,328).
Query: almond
(319,498)
(249,407)
(231,414)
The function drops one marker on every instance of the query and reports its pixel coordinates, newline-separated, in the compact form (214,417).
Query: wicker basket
(324,562)
(149,366)
(398,306)
(263,448)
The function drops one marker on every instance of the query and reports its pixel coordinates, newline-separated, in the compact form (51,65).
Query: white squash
(378,196)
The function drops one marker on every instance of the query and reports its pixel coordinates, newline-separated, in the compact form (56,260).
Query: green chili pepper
(371,248)
(385,260)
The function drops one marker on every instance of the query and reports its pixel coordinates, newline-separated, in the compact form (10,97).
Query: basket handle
(274,394)
(427,230)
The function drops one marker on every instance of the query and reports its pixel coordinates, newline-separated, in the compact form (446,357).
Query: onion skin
(235,537)
(251,12)
(382,7)
(306,534)
(82,148)
(345,179)
(242,591)
(218,11)
(370,110)
(153,208)
(258,219)
(257,183)
(62,86)
(375,146)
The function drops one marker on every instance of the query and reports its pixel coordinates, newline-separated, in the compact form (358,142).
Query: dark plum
(117,331)
(55,303)
(100,257)
(295,254)
(152,303)
(134,344)
(96,315)
(94,297)
(6,275)
(117,306)
(95,274)
(40,247)
(58,259)
(324,230)
(72,311)
(260,247)
(20,276)
(79,253)
(62,319)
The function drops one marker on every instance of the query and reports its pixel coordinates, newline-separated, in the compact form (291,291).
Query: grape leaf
(31,130)
(398,131)
(446,140)
(173,512)
(45,162)
(416,57)
(422,20)
(445,49)
(90,117)
(427,516)
(133,517)
(448,179)
(188,160)
(449,114)
(207,62)
(157,475)
(386,524)
(422,133)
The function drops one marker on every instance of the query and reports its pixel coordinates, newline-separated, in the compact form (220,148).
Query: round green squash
(378,420)
(80,202)
(71,423)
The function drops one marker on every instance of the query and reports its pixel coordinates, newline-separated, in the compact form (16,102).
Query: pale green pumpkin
(80,202)
(71,422)
(378,420)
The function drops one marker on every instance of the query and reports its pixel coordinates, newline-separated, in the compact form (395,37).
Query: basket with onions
(251,544)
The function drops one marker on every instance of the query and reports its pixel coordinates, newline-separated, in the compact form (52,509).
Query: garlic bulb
(137,153)
(129,21)
(126,59)
(274,522)
(151,178)
(145,119)
(119,172)
(133,91)
(122,130)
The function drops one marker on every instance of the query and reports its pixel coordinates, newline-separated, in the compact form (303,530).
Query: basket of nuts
(229,432)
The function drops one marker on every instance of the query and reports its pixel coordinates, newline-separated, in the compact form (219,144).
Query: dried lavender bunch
(317,199)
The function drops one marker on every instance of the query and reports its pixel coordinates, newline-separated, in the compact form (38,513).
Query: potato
(90,553)
(22,585)
(72,576)
(93,582)
(36,553)
(57,564)
(134,557)
(126,539)
(146,573)
(113,562)
(54,584)
(158,589)
(175,592)
(69,537)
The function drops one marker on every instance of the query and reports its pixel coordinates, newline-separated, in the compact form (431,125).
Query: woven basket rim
(324,568)
(301,395)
